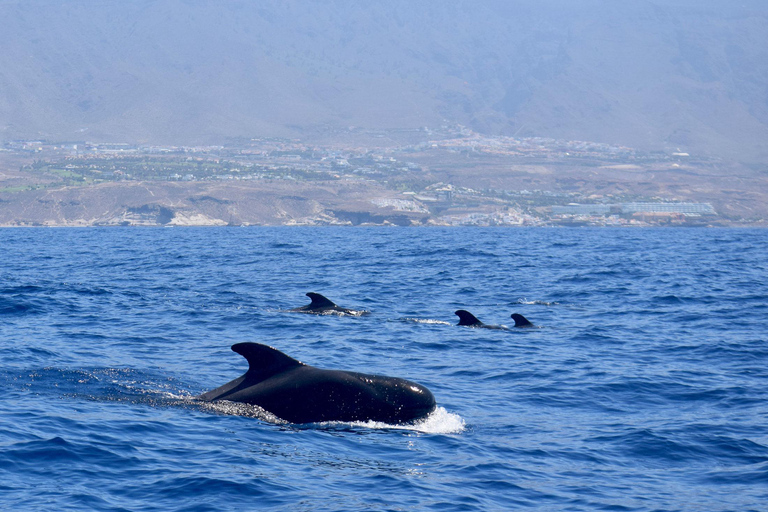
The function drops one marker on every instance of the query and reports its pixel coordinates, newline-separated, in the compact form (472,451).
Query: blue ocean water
(644,386)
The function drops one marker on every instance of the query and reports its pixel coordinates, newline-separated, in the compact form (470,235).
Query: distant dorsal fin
(318,301)
(467,318)
(521,321)
(264,361)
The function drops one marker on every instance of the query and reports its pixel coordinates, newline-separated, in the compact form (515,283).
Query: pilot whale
(467,319)
(321,305)
(299,393)
(521,321)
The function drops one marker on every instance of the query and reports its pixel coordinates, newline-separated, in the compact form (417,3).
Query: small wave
(754,474)
(25,288)
(428,321)
(527,302)
(668,299)
(57,450)
(9,307)
(86,290)
(285,245)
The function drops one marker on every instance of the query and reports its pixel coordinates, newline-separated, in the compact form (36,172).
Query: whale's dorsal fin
(318,301)
(521,321)
(263,360)
(467,318)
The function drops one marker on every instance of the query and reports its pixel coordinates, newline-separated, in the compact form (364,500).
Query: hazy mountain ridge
(648,74)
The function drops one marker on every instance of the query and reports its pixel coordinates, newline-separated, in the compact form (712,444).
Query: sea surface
(643,387)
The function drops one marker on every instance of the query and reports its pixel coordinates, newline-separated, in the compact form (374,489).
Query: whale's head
(407,401)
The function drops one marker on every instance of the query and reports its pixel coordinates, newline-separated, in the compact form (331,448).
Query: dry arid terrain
(195,203)
(440,183)
(737,192)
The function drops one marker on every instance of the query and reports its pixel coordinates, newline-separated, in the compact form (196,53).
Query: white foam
(428,321)
(439,421)
(536,302)
(351,312)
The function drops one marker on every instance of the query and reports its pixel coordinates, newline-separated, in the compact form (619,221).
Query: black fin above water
(319,301)
(467,318)
(263,360)
(521,321)
(321,305)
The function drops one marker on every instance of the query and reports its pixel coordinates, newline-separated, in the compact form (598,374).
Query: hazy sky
(648,74)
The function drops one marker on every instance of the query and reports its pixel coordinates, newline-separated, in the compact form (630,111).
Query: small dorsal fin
(467,318)
(318,301)
(521,321)
(263,360)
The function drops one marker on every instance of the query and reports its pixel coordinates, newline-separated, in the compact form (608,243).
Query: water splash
(440,421)
(427,321)
(228,408)
(527,302)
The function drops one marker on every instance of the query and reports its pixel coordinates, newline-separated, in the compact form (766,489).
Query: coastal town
(447,177)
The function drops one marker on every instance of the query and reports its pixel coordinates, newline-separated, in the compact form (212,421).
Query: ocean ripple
(643,390)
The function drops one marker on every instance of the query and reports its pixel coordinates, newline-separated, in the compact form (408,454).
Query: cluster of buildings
(529,146)
(495,218)
(639,213)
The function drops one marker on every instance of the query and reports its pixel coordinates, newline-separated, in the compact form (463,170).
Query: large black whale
(321,305)
(299,393)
